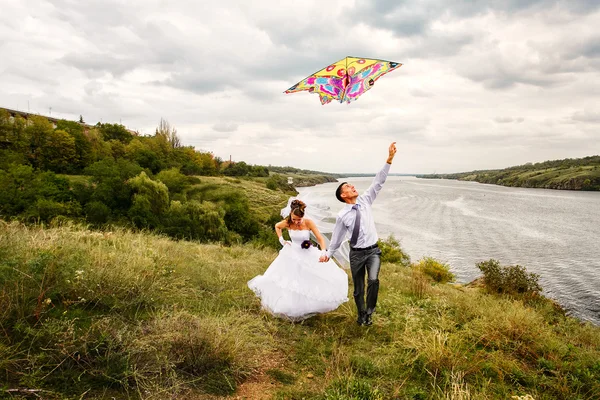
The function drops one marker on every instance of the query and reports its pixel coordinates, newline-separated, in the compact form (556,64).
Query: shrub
(174,180)
(45,210)
(508,279)
(271,184)
(439,271)
(150,201)
(196,221)
(97,212)
(277,181)
(392,253)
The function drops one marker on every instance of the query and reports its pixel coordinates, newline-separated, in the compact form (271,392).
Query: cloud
(587,116)
(508,120)
(225,127)
(505,78)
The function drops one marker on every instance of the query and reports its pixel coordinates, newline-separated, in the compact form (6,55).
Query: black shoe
(368,320)
(361,319)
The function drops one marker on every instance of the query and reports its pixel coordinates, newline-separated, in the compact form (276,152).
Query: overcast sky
(485,84)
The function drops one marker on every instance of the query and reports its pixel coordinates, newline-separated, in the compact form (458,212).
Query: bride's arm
(313,227)
(278,227)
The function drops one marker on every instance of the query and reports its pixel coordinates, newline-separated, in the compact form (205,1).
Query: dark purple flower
(306,244)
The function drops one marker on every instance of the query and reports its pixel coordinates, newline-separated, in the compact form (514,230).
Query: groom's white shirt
(344,223)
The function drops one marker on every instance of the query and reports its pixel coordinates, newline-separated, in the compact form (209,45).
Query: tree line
(566,174)
(106,174)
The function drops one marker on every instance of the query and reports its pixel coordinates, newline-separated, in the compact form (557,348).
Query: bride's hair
(297,208)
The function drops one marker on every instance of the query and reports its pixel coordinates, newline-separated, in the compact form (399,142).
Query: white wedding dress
(296,285)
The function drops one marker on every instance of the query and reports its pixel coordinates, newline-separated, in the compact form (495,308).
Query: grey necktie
(356,229)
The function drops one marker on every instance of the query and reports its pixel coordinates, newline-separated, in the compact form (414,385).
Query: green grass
(101,315)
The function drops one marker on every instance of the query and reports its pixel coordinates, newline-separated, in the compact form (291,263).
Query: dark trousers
(365,262)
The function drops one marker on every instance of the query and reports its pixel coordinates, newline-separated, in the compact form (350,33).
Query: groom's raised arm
(380,178)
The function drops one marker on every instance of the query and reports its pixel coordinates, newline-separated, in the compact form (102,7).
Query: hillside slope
(115,314)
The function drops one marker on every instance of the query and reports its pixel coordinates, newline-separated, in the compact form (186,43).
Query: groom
(356,219)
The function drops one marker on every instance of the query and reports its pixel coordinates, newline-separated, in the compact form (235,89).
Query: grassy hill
(569,174)
(115,314)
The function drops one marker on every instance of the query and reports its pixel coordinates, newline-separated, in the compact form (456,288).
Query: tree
(237,169)
(81,121)
(150,201)
(37,131)
(174,180)
(83,145)
(99,149)
(114,131)
(58,153)
(169,133)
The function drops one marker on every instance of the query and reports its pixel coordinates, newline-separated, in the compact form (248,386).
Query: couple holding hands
(303,281)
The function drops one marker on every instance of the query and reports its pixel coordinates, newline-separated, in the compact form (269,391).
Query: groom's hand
(392,151)
(323,258)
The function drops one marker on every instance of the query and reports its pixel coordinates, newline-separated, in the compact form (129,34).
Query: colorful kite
(345,80)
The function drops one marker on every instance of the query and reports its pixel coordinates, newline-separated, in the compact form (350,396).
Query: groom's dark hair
(338,192)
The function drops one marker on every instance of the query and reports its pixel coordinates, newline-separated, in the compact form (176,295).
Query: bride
(296,285)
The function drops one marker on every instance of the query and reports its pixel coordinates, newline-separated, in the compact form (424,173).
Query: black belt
(364,248)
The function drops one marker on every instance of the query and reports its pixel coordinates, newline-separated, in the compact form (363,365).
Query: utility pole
(50,111)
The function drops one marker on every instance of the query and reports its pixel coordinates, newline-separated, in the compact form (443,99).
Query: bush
(271,184)
(195,221)
(174,180)
(277,181)
(508,279)
(392,253)
(45,210)
(97,212)
(439,271)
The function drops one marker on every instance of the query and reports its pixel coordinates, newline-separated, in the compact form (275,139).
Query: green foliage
(175,180)
(271,184)
(238,217)
(13,135)
(242,169)
(8,157)
(570,174)
(258,171)
(96,212)
(45,210)
(109,178)
(83,146)
(59,153)
(508,279)
(352,389)
(139,152)
(37,130)
(438,271)
(277,181)
(150,201)
(266,236)
(392,252)
(195,221)
(237,169)
(21,187)
(114,131)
